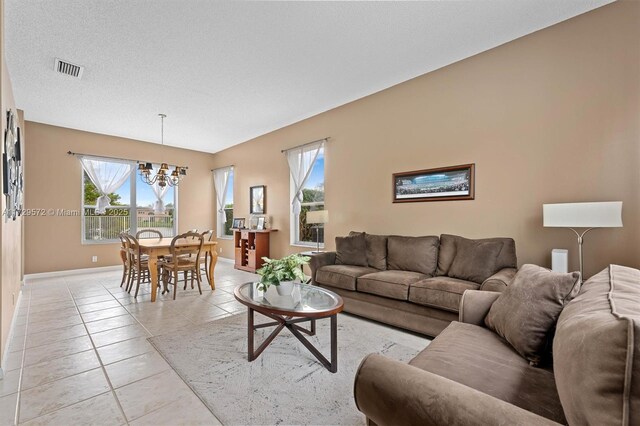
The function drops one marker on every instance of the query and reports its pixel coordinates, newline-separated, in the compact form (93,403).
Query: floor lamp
(585,216)
(318,218)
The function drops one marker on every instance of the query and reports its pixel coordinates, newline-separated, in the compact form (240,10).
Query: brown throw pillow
(376,250)
(475,260)
(351,250)
(415,254)
(526,312)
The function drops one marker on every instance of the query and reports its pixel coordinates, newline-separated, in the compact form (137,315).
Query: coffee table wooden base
(291,323)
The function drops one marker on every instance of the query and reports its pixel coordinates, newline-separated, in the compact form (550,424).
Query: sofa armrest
(475,305)
(389,392)
(500,280)
(319,260)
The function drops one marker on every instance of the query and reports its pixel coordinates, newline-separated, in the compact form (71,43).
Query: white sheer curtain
(107,176)
(301,161)
(160,192)
(220,181)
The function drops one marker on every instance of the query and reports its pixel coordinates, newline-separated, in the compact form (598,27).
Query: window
(312,198)
(119,216)
(223,181)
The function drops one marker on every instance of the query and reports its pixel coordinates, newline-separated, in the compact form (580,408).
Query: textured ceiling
(226,72)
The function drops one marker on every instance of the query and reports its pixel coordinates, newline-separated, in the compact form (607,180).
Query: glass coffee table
(307,303)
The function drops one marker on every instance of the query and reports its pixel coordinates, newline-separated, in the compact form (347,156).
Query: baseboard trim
(52,274)
(11,332)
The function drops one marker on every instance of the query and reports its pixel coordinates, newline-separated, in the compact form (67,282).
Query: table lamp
(317,218)
(583,215)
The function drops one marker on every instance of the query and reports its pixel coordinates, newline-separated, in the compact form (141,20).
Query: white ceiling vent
(67,68)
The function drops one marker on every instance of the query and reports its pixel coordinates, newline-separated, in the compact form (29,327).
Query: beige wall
(11,231)
(53,180)
(552,117)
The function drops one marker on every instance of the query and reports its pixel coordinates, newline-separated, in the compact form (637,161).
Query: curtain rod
(225,167)
(113,158)
(305,144)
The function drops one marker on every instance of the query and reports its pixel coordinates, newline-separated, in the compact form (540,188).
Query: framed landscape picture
(441,184)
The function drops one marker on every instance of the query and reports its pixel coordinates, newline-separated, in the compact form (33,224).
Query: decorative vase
(285,288)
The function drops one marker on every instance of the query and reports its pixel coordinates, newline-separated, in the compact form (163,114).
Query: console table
(251,245)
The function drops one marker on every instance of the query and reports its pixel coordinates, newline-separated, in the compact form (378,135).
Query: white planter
(285,288)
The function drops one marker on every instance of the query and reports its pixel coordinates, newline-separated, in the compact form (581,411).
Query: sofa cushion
(475,260)
(440,292)
(392,284)
(416,254)
(476,357)
(448,243)
(341,276)
(351,250)
(526,312)
(376,250)
(596,350)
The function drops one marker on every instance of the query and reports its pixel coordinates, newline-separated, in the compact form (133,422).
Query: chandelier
(163,177)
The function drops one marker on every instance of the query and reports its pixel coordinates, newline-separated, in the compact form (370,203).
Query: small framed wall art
(440,184)
(257,199)
(238,223)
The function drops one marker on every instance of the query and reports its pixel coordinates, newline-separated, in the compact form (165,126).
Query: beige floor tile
(118,334)
(65,298)
(132,369)
(51,336)
(51,307)
(55,350)
(50,315)
(44,399)
(91,307)
(14,361)
(8,409)
(9,384)
(167,325)
(104,314)
(59,368)
(94,299)
(142,397)
(54,323)
(185,411)
(110,323)
(100,410)
(232,307)
(123,350)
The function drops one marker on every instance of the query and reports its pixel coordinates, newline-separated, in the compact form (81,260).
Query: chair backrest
(208,235)
(124,249)
(149,233)
(179,245)
(134,248)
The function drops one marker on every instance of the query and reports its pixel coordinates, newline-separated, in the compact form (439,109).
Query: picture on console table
(441,184)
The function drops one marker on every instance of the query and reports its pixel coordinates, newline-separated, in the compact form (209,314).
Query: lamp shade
(318,216)
(583,215)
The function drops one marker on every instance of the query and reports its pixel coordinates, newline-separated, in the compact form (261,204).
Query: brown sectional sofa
(468,375)
(415,282)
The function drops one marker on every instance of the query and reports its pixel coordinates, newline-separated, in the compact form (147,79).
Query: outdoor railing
(107,227)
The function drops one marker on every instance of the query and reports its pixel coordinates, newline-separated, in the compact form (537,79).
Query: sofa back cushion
(526,312)
(376,250)
(416,254)
(448,249)
(596,350)
(475,260)
(351,250)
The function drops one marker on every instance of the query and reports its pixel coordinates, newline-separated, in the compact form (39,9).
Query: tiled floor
(79,352)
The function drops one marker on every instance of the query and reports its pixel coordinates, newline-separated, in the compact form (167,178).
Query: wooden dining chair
(184,258)
(126,258)
(149,233)
(139,265)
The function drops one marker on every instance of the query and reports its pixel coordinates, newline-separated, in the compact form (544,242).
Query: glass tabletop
(304,299)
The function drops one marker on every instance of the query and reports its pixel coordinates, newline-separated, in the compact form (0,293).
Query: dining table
(156,248)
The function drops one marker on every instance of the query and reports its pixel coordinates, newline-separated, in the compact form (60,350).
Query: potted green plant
(282,273)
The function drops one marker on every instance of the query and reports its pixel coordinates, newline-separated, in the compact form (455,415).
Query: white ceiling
(226,72)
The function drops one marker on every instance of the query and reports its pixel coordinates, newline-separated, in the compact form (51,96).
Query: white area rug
(286,384)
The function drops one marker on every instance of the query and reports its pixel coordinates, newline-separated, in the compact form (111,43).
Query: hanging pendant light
(163,177)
